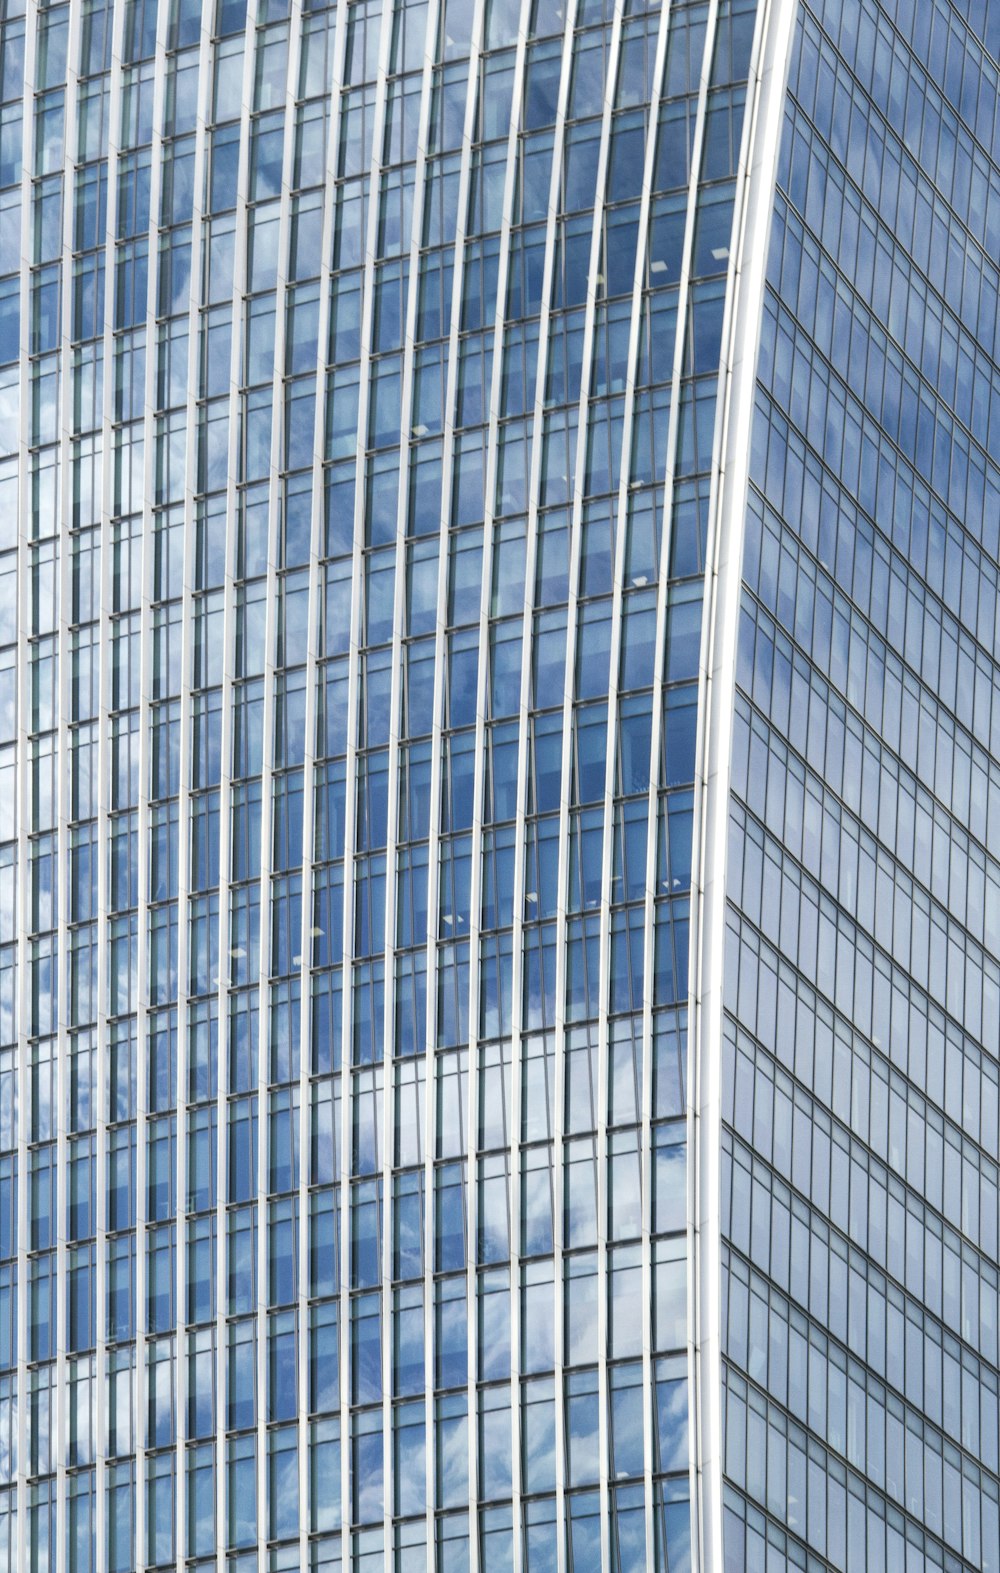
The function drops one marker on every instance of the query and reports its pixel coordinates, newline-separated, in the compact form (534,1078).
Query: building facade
(858,1019)
(499,939)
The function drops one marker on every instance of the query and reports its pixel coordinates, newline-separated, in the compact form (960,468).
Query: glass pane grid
(359,370)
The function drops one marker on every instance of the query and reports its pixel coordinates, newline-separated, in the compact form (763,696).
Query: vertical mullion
(182,1089)
(25,806)
(275,509)
(145,679)
(308,803)
(569,697)
(103,797)
(179,1365)
(434,838)
(182,1390)
(433,842)
(433,855)
(236,362)
(524,712)
(475,891)
(350,808)
(391,855)
(64,612)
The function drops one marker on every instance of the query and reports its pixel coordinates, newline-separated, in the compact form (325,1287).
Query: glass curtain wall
(358,374)
(859,1154)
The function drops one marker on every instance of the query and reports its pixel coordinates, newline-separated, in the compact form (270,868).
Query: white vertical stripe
(350,810)
(104,775)
(140,1438)
(480,756)
(179,1371)
(195,292)
(64,783)
(24,783)
(639,298)
(274,509)
(308,807)
(716,693)
(236,378)
(433,22)
(569,695)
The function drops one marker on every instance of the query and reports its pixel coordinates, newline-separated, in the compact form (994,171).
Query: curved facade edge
(716,679)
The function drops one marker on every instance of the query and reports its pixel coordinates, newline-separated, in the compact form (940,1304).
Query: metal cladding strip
(196,288)
(569,697)
(229,620)
(523,753)
(104,774)
(472,109)
(25,805)
(182,1087)
(333,90)
(480,767)
(621,532)
(181,1374)
(140,1440)
(262,875)
(716,687)
(64,782)
(649,1436)
(434,831)
(437,786)
(430,976)
(392,815)
(271,630)
(350,806)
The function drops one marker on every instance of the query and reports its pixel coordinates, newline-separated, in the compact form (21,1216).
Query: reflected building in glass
(499,793)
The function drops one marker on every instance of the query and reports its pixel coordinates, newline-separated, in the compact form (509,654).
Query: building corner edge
(716,686)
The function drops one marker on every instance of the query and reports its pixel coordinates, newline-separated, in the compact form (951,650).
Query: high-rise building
(499,787)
